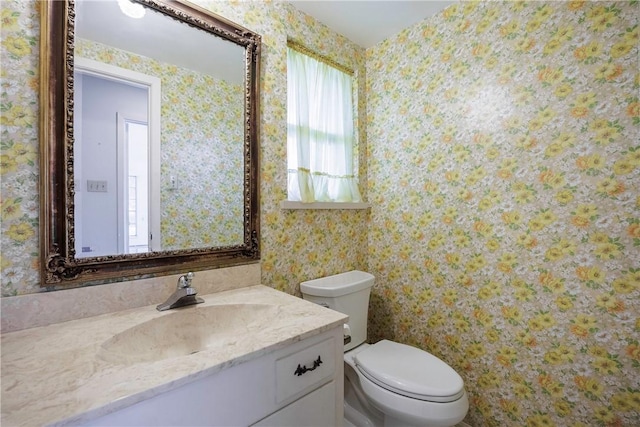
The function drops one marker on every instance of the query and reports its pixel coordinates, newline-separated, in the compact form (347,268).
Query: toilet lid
(410,372)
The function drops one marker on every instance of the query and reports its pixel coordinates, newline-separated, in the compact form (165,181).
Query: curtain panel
(320,137)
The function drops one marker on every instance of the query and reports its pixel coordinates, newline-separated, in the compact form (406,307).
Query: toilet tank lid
(338,284)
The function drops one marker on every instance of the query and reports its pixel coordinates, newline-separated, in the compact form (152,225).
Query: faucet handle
(185,281)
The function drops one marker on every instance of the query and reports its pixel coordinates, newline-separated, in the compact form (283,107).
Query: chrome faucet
(183,296)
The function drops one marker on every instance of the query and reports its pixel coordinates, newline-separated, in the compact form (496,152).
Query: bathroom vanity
(250,356)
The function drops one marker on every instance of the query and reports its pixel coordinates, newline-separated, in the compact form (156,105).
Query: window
(320,138)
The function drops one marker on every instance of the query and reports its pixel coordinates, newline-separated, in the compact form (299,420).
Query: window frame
(355,164)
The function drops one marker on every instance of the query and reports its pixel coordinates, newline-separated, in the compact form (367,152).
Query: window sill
(288,204)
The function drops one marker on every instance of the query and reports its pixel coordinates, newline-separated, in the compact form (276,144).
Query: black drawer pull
(302,369)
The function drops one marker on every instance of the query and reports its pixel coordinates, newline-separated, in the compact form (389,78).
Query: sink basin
(185,331)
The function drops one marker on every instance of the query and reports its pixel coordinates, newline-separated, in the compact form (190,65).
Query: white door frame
(153,84)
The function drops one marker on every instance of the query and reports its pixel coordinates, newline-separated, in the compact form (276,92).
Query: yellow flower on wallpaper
(490,289)
(507,356)
(607,250)
(20,232)
(475,350)
(452,259)
(9,20)
(622,285)
(554,149)
(541,322)
(606,365)
(461,325)
(604,20)
(586,321)
(610,303)
(608,71)
(512,218)
(17,46)
(610,186)
(624,401)
(23,153)
(563,408)
(623,167)
(589,52)
(552,46)
(492,245)
(564,196)
(522,391)
(8,164)
(622,48)
(17,115)
(585,100)
(10,209)
(436,320)
(512,314)
(564,303)
(526,339)
(605,415)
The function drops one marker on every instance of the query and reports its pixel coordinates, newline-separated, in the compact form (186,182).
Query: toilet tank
(347,293)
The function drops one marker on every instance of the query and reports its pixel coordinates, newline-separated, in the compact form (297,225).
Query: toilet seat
(410,372)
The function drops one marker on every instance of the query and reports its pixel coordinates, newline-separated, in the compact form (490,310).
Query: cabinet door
(317,409)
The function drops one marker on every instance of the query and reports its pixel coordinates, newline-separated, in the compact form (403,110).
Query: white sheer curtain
(320,132)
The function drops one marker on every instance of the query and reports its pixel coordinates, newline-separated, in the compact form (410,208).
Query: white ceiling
(369,22)
(365,22)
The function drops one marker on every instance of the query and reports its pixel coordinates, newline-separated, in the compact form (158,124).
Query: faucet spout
(183,296)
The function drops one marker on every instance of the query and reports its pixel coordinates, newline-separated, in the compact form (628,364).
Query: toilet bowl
(410,387)
(387,383)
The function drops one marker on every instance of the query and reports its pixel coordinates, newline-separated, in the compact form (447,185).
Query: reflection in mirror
(161,147)
(116,151)
(192,203)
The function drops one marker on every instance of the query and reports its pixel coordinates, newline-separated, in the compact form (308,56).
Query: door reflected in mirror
(134,234)
(115,186)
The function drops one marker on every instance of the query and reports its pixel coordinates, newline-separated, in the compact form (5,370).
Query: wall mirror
(149,140)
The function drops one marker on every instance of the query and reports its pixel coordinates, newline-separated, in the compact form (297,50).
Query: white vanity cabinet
(298,385)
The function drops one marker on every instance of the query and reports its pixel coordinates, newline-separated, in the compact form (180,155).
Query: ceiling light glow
(133,10)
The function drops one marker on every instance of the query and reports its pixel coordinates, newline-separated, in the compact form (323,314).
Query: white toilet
(386,383)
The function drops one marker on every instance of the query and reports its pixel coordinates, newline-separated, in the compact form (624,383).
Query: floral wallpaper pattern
(498,150)
(19,145)
(504,172)
(202,209)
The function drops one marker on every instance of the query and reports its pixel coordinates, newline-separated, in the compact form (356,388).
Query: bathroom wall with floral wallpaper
(499,150)
(203,207)
(295,245)
(504,172)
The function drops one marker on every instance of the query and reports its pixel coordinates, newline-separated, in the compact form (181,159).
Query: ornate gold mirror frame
(59,265)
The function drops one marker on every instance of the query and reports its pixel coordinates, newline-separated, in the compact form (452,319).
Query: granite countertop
(54,375)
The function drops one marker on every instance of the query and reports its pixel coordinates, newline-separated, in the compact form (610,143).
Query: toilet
(386,383)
